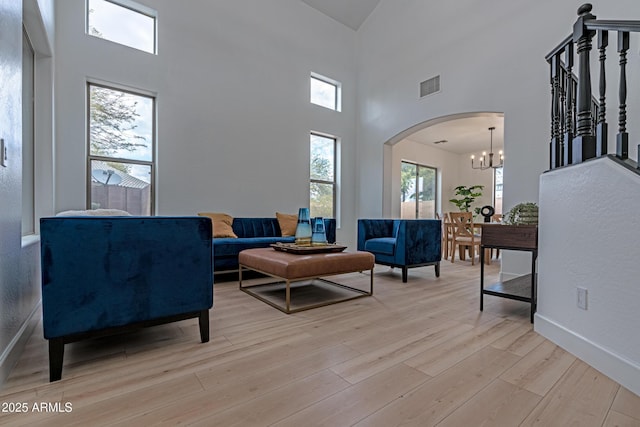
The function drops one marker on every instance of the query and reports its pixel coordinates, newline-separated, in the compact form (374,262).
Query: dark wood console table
(516,238)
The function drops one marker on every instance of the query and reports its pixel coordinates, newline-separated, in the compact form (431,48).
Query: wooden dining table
(487,252)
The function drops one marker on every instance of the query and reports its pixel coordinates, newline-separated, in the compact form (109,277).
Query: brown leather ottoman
(308,267)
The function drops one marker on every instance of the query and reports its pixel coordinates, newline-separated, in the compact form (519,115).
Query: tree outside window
(121,150)
(322,178)
(418,188)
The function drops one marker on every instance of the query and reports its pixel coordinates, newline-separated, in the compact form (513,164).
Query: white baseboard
(621,370)
(13,351)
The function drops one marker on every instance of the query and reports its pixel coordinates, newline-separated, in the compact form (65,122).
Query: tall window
(121,138)
(497,190)
(418,187)
(28,169)
(322,188)
(124,22)
(325,92)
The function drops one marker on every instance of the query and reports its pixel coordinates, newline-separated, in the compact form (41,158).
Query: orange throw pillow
(288,223)
(221,224)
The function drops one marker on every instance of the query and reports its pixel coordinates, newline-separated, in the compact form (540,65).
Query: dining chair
(463,234)
(447,234)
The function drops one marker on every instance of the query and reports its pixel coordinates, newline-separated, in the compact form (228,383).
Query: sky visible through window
(121,25)
(138,132)
(324,93)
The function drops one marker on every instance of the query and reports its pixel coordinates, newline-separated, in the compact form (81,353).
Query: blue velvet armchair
(402,243)
(105,275)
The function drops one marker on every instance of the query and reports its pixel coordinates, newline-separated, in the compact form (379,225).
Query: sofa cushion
(232,247)
(288,223)
(221,224)
(256,227)
(95,212)
(381,245)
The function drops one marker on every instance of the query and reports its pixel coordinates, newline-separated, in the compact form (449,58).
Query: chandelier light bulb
(483,159)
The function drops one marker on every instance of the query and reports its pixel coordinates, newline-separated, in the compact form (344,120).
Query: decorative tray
(301,250)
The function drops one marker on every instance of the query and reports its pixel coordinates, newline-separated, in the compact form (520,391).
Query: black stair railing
(578,119)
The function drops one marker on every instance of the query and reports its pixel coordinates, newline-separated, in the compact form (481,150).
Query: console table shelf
(517,238)
(518,288)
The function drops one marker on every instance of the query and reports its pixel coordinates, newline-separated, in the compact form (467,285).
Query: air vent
(442,141)
(430,86)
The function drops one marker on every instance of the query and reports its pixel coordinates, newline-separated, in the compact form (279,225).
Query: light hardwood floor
(414,354)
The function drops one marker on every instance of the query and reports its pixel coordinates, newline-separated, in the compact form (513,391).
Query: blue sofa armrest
(418,241)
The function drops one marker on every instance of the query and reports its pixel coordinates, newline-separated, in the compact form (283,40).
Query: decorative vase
(303,229)
(319,235)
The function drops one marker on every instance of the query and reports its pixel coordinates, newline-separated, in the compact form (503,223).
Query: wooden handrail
(578,119)
(559,48)
(608,25)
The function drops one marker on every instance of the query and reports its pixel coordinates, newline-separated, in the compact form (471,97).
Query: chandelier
(484,164)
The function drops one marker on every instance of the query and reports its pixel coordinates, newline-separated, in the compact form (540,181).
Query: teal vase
(303,229)
(319,235)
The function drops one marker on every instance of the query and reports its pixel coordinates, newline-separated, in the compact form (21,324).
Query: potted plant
(522,214)
(468,195)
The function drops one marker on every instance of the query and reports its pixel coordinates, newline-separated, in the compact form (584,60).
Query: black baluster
(555,112)
(584,144)
(622,139)
(568,135)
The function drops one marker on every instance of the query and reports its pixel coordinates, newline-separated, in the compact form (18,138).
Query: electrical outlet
(582,298)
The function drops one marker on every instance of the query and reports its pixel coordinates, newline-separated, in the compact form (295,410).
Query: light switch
(3,153)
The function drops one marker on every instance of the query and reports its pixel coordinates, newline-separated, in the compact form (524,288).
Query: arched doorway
(444,145)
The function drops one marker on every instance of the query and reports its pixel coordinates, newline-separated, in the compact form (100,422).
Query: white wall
(232,85)
(490,56)
(10,177)
(592,244)
(469,177)
(19,256)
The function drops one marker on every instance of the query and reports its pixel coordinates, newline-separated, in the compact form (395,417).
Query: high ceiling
(351,13)
(464,135)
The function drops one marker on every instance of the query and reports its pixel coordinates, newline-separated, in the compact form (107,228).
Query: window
(325,92)
(418,187)
(322,189)
(123,22)
(497,190)
(28,143)
(121,138)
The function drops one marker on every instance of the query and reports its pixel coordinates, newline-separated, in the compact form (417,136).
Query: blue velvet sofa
(105,275)
(402,243)
(254,233)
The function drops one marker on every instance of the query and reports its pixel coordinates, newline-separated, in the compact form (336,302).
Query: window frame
(338,91)
(91,157)
(29,194)
(134,7)
(436,198)
(495,189)
(334,183)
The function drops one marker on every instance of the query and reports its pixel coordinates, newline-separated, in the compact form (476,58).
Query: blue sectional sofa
(254,233)
(402,243)
(105,275)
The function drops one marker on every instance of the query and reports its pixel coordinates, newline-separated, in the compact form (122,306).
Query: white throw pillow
(95,212)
